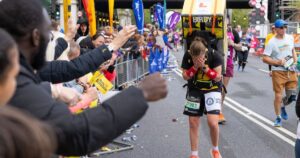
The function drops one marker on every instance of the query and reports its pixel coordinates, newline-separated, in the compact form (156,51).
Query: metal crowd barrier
(130,71)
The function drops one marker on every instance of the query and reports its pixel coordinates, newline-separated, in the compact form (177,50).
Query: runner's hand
(270,73)
(281,62)
(196,63)
(154,87)
(201,62)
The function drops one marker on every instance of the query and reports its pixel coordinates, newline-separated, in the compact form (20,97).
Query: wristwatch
(110,48)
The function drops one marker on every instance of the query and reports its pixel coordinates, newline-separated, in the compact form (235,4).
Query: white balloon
(168,14)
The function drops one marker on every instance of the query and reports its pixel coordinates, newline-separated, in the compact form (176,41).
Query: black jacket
(83,133)
(79,32)
(61,46)
(64,71)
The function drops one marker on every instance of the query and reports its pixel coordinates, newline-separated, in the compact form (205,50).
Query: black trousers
(242,56)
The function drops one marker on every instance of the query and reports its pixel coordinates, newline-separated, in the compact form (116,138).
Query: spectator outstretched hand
(154,87)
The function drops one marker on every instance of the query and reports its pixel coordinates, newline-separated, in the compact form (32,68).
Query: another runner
(243,54)
(202,68)
(233,44)
(281,55)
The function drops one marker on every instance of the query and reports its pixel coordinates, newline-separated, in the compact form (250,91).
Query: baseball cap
(280,23)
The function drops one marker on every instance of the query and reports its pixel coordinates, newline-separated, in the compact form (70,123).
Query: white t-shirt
(279,49)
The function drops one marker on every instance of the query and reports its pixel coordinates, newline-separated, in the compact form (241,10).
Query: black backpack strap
(210,57)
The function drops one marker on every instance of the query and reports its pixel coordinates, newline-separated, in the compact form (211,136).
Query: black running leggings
(243,56)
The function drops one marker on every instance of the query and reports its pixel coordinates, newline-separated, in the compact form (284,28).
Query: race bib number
(192,105)
(212,101)
(289,61)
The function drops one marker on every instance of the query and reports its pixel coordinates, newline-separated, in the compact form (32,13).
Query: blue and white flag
(152,61)
(138,11)
(160,13)
(160,58)
(165,57)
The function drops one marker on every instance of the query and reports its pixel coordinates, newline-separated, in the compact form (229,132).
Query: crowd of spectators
(46,89)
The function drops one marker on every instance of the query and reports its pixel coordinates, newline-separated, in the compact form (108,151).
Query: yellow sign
(204,7)
(204,22)
(100,82)
(204,15)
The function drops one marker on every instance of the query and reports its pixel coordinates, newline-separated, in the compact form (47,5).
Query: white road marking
(251,115)
(265,71)
(267,121)
(289,141)
(178,72)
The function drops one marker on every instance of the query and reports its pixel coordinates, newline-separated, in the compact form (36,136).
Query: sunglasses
(283,27)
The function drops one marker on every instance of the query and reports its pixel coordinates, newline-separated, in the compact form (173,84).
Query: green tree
(240,17)
(147,16)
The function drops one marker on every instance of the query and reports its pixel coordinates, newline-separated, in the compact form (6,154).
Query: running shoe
(193,156)
(283,114)
(222,119)
(277,122)
(215,154)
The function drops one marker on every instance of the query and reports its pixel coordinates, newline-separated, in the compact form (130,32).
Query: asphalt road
(248,132)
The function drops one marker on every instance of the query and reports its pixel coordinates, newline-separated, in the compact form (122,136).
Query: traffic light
(152,12)
(57,12)
(274,12)
(54,9)
(277,15)
(277,12)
